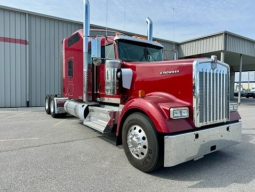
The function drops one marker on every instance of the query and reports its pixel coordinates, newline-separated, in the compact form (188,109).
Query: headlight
(178,113)
(233,106)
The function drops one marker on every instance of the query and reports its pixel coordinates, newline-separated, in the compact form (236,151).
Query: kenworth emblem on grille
(169,72)
(214,62)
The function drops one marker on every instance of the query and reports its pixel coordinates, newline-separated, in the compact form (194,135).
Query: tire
(141,143)
(52,107)
(47,105)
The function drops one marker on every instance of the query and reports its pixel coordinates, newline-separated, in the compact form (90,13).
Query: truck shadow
(110,138)
(68,117)
(220,169)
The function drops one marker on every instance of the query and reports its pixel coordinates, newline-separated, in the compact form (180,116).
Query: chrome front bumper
(191,146)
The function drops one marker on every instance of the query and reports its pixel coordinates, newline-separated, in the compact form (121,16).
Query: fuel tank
(76,108)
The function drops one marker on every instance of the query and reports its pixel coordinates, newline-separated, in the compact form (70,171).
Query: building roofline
(202,37)
(240,36)
(38,14)
(218,33)
(77,22)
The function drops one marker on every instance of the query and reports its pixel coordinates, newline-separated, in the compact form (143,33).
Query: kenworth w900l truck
(163,112)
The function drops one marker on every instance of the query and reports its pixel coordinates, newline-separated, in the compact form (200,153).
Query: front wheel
(141,143)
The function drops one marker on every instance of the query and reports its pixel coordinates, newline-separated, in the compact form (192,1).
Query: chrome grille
(211,92)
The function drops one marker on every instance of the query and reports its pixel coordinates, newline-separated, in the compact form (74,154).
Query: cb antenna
(173,26)
(106,19)
(124,16)
(174,49)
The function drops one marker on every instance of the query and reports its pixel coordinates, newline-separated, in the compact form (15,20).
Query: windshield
(133,51)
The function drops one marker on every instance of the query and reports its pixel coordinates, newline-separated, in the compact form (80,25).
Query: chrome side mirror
(96,51)
(96,61)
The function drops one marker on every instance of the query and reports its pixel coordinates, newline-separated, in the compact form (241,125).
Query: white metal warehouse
(30,54)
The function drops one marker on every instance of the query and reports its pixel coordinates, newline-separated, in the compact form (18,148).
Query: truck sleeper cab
(158,121)
(163,112)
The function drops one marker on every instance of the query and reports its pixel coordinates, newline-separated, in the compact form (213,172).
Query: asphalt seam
(31,147)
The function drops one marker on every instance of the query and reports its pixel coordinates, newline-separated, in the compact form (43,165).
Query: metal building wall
(43,36)
(168,49)
(240,45)
(12,58)
(45,55)
(199,46)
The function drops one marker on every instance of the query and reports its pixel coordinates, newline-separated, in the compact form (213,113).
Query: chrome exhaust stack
(149,29)
(86,29)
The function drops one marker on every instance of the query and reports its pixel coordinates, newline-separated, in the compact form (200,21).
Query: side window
(90,62)
(72,40)
(103,54)
(70,68)
(109,52)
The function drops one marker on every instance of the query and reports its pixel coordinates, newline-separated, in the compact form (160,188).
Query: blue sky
(176,20)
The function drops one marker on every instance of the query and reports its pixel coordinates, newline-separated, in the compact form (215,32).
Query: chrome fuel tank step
(103,118)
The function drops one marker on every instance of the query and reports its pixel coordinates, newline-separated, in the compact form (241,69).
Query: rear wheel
(140,143)
(47,105)
(52,108)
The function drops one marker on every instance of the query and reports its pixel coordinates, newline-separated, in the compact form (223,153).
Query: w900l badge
(169,72)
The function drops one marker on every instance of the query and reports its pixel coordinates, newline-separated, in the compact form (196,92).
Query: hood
(172,77)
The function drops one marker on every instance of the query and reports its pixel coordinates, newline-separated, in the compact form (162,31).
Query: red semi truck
(163,112)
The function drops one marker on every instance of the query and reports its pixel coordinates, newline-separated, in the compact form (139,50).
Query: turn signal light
(144,38)
(136,36)
(117,34)
(141,93)
(233,107)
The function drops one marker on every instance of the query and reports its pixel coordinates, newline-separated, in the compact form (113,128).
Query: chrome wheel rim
(51,106)
(137,142)
(46,103)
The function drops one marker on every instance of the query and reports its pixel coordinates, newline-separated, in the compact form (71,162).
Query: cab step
(103,118)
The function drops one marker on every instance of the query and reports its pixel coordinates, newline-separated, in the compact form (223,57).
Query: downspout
(222,53)
(27,61)
(149,29)
(240,79)
(86,29)
(175,53)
